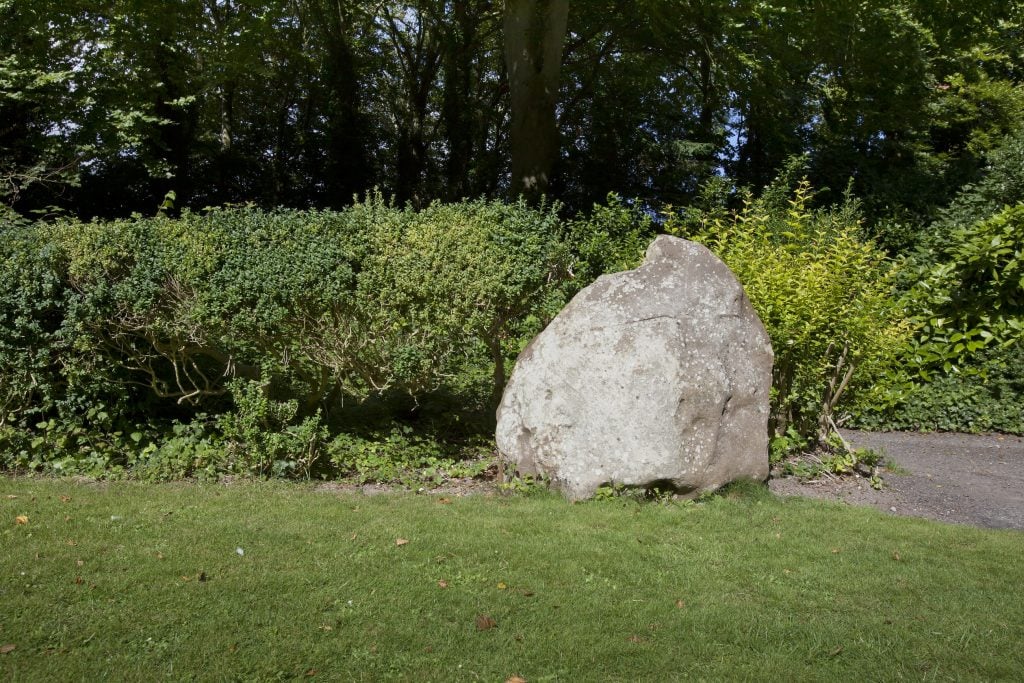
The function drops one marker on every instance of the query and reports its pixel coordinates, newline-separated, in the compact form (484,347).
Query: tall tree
(307,102)
(347,159)
(471,103)
(643,110)
(534,38)
(33,97)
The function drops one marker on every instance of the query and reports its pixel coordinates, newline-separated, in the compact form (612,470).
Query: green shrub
(185,450)
(278,321)
(964,363)
(985,396)
(94,444)
(263,436)
(185,305)
(398,454)
(971,296)
(1001,186)
(613,237)
(36,363)
(963,291)
(364,301)
(457,282)
(824,295)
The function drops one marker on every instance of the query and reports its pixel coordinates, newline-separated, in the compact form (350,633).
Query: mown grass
(141,582)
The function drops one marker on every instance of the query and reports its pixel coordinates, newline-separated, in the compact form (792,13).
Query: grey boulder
(658,376)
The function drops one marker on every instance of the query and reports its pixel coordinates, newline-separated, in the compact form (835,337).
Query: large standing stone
(655,376)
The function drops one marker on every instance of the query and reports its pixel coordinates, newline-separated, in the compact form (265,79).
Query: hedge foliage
(276,318)
(280,343)
(986,397)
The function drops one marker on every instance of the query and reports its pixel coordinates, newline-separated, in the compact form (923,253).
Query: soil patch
(959,478)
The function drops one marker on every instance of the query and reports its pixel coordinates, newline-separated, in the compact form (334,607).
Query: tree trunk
(459,119)
(227,116)
(534,37)
(346,163)
(176,135)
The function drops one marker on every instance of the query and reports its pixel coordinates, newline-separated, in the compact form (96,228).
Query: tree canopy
(108,105)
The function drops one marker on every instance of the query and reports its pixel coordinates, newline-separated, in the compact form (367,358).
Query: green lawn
(127,581)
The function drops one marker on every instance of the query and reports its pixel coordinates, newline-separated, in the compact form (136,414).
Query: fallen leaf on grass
(636,639)
(836,651)
(515,679)
(502,585)
(401,541)
(895,556)
(10,647)
(11,497)
(21,519)
(835,551)
(79,562)
(484,622)
(353,537)
(79,581)
(310,673)
(71,542)
(65,499)
(442,584)
(445,501)
(680,604)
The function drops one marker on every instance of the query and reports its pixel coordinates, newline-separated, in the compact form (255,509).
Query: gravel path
(958,478)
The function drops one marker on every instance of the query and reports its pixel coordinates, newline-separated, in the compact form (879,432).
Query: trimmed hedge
(278,321)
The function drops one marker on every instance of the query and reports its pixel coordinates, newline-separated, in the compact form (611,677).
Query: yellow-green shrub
(823,293)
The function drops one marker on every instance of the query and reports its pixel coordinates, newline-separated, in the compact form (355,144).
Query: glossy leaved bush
(972,296)
(962,368)
(963,290)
